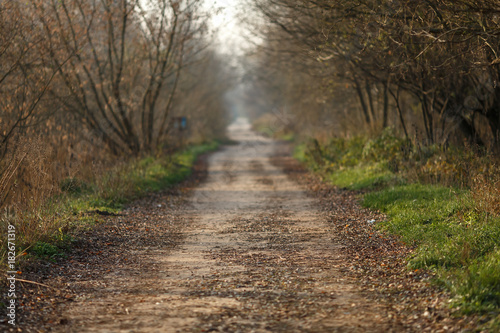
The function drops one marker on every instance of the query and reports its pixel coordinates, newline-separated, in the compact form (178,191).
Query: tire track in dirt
(258,256)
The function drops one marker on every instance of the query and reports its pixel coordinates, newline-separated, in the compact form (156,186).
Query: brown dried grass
(485,190)
(30,181)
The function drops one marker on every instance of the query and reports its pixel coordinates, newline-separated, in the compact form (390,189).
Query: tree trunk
(362,100)
(370,101)
(386,104)
(400,113)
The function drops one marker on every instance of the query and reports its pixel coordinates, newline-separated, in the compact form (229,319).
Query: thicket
(46,226)
(428,68)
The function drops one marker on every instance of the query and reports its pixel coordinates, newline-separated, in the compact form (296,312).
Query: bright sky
(232,36)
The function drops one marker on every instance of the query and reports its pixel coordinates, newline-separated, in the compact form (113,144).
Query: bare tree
(442,54)
(128,57)
(25,75)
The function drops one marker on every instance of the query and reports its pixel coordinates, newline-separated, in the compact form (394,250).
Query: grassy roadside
(443,202)
(45,230)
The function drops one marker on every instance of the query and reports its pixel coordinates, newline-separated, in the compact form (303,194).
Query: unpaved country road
(257,256)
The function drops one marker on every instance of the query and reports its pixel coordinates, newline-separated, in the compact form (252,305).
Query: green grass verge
(361,177)
(137,178)
(46,232)
(451,234)
(451,237)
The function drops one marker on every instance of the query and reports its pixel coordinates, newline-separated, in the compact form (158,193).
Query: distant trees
(201,96)
(442,56)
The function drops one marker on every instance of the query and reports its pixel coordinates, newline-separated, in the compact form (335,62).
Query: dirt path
(256,256)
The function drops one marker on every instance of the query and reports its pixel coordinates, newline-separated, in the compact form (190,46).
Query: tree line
(112,67)
(430,68)
(79,78)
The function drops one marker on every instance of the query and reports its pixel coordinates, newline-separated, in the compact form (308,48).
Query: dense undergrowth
(44,228)
(443,201)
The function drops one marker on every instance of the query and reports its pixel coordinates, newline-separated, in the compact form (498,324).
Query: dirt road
(253,254)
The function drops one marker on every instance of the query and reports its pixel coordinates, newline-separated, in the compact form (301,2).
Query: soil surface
(249,249)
